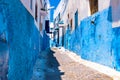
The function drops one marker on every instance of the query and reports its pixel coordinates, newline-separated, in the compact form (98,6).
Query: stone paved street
(57,65)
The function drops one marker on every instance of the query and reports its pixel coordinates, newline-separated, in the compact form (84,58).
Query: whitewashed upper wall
(115,5)
(83,8)
(115,10)
(73,5)
(40,13)
(103,4)
(59,8)
(26,3)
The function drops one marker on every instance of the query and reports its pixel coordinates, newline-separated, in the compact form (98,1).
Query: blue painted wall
(95,40)
(24,39)
(116,48)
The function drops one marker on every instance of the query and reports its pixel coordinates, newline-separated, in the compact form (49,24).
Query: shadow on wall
(114,13)
(4,52)
(116,48)
(115,10)
(52,72)
(114,18)
(109,18)
(46,41)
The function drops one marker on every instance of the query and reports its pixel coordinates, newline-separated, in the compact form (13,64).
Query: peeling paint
(95,40)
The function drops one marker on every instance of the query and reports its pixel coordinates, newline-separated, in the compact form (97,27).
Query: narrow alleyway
(29,28)
(46,67)
(55,64)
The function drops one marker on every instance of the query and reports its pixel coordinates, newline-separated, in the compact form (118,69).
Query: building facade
(39,10)
(90,29)
(22,36)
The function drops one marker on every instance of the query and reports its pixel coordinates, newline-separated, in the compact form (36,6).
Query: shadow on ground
(52,72)
(47,67)
(3,60)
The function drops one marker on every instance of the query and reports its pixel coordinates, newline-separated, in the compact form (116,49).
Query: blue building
(22,37)
(92,30)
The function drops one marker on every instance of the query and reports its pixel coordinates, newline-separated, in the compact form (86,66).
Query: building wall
(24,39)
(71,7)
(103,4)
(96,38)
(30,5)
(83,8)
(116,47)
(27,4)
(96,42)
(89,42)
(41,15)
(4,51)
(115,13)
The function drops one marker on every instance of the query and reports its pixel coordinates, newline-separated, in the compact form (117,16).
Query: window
(36,12)
(71,23)
(93,6)
(31,4)
(59,17)
(68,16)
(47,26)
(76,19)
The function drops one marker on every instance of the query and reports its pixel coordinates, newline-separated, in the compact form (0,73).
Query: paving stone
(60,66)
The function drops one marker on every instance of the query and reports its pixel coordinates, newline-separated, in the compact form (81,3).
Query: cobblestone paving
(59,66)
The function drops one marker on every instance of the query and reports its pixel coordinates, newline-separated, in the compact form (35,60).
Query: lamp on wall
(47,9)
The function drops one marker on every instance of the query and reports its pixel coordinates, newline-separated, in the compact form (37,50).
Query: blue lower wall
(96,40)
(116,48)
(24,39)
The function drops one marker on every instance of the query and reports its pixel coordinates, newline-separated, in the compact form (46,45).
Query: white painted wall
(103,4)
(83,8)
(58,9)
(115,4)
(26,3)
(73,5)
(42,15)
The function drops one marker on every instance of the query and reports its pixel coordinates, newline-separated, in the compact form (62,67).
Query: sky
(53,3)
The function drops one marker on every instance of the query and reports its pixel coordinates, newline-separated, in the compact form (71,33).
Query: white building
(39,10)
(67,9)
